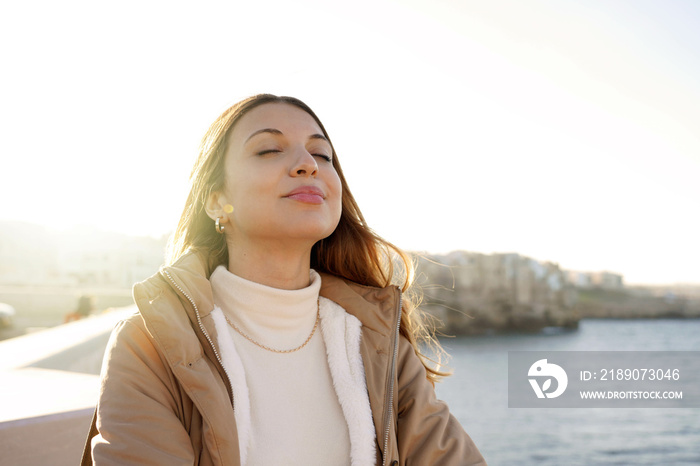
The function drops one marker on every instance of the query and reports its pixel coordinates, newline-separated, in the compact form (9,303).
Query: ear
(215,206)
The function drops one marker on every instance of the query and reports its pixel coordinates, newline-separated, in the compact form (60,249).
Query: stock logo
(546,371)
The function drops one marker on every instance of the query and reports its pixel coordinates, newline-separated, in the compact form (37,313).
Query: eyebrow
(264,130)
(279,133)
(319,136)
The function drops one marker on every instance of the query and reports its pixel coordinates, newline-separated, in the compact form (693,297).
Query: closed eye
(269,151)
(325,157)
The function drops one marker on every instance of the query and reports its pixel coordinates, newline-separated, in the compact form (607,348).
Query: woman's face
(279,179)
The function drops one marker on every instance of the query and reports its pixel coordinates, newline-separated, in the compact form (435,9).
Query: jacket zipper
(391,381)
(204,331)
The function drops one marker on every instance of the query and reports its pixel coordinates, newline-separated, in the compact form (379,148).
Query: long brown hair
(353,251)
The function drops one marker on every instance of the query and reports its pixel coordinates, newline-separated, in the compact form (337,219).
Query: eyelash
(325,157)
(269,151)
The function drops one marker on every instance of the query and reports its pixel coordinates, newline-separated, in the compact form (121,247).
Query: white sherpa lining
(341,334)
(234,367)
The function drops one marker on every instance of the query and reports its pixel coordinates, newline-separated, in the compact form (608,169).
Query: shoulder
(132,353)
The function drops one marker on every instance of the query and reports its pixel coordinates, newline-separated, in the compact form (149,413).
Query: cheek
(338,194)
(334,186)
(248,188)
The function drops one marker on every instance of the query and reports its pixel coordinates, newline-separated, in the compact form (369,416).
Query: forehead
(287,118)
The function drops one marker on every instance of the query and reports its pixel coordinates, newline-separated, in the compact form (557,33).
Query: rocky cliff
(472,293)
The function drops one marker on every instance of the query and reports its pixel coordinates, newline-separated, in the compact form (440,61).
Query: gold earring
(228,208)
(219,227)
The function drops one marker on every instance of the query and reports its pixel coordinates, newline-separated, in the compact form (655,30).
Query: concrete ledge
(60,342)
(50,385)
(56,439)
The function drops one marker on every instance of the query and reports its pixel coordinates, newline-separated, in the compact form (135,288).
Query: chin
(309,226)
(308,233)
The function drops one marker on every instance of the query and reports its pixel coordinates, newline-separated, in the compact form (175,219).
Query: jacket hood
(375,307)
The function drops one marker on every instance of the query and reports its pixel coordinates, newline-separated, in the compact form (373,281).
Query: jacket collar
(190,275)
(374,307)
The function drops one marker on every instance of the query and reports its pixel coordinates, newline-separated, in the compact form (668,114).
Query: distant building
(589,280)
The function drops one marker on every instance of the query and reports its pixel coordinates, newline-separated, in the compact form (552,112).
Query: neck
(274,267)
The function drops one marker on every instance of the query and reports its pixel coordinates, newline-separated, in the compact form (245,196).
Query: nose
(304,164)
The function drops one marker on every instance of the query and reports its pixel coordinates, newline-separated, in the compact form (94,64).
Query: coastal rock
(473,293)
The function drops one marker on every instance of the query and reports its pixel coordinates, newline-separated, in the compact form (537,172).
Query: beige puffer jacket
(166,399)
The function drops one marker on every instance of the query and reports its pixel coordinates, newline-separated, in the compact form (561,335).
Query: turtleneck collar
(271,316)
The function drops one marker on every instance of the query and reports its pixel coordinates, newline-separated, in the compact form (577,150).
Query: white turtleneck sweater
(287,404)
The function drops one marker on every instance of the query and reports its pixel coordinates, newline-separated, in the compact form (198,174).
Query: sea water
(477,394)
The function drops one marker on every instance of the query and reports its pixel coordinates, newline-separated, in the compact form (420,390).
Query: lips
(307,195)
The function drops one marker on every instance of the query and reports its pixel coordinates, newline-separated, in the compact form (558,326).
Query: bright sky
(562,130)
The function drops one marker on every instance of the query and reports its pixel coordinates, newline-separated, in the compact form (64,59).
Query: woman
(275,336)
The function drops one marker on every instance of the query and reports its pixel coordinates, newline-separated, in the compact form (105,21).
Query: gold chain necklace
(308,339)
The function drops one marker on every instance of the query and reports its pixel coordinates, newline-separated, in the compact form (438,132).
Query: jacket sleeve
(427,433)
(137,416)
